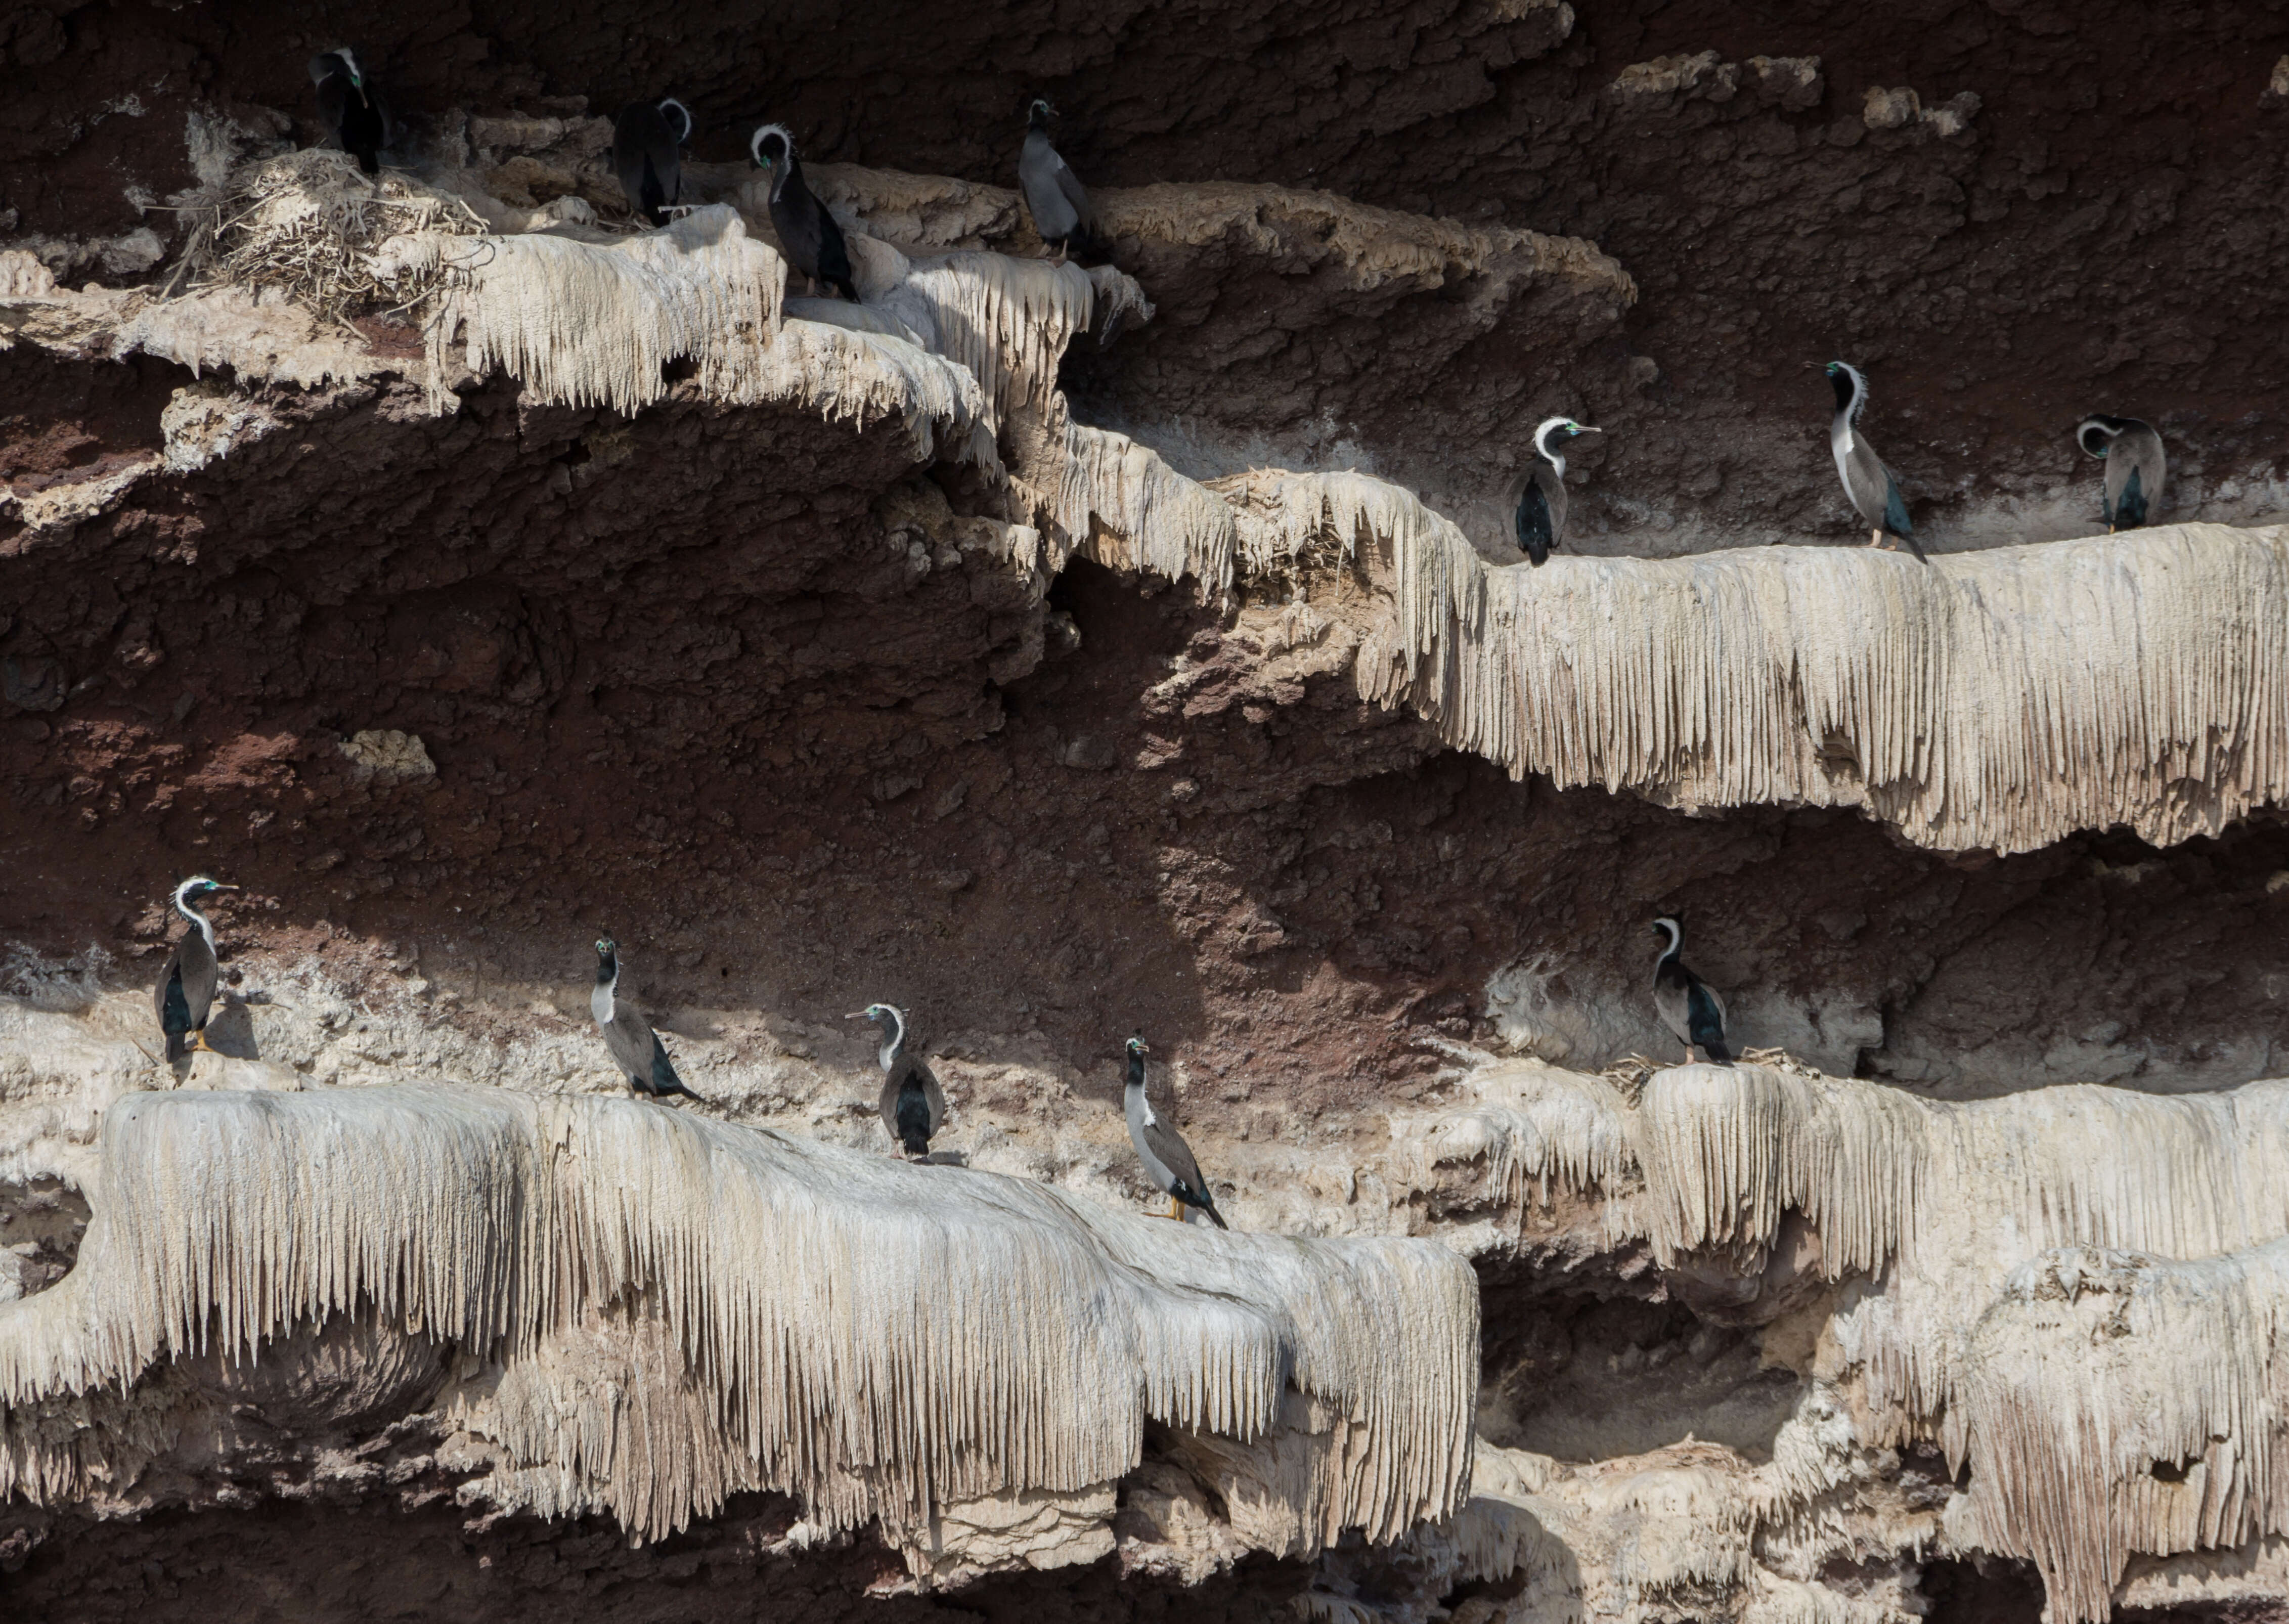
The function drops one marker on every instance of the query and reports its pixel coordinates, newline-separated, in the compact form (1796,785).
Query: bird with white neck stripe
(1688,1005)
(350,106)
(186,993)
(913,1105)
(635,1048)
(1874,493)
(1539,522)
(1168,1161)
(2135,465)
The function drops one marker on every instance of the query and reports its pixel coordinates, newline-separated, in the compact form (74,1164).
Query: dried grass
(306,224)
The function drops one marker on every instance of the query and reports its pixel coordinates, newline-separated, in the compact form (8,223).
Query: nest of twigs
(307,224)
(1631,1072)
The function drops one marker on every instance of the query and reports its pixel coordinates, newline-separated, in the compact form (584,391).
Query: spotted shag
(1168,1163)
(1688,1005)
(648,156)
(911,1104)
(637,1049)
(1875,494)
(807,235)
(350,106)
(2135,467)
(1058,205)
(1540,522)
(186,993)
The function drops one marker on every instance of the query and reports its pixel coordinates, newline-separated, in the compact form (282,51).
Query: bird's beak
(1583,428)
(855,1014)
(225,888)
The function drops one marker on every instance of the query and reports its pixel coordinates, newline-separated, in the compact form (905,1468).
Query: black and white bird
(1167,1160)
(186,993)
(911,1104)
(813,243)
(1541,520)
(350,106)
(1874,492)
(1063,217)
(2134,468)
(637,1049)
(648,156)
(1688,1005)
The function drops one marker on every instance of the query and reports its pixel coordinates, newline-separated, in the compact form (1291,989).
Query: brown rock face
(770,697)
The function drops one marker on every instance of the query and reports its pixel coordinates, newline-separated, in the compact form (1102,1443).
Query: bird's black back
(664,1079)
(641,1054)
(2130,512)
(914,1116)
(354,118)
(813,241)
(647,156)
(185,995)
(1536,537)
(174,1011)
(1704,1020)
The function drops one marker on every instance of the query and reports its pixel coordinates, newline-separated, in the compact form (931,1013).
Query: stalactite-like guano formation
(1819,1337)
(884,1342)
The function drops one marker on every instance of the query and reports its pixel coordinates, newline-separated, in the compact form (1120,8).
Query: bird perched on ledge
(807,232)
(1540,522)
(185,992)
(1167,1160)
(1688,1005)
(2135,466)
(637,1049)
(1056,200)
(648,156)
(1875,494)
(350,106)
(911,1104)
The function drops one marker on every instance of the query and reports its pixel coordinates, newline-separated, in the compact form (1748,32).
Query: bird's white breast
(1840,440)
(600,1003)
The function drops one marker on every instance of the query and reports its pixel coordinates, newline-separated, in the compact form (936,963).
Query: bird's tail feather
(1084,246)
(1214,1216)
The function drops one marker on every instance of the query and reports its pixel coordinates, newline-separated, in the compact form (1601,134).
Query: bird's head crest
(1560,428)
(2097,433)
(771,145)
(341,59)
(1851,387)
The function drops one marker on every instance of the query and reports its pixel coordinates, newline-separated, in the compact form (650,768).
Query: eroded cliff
(1060,654)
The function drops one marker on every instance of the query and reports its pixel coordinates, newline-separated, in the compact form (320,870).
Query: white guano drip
(879,1340)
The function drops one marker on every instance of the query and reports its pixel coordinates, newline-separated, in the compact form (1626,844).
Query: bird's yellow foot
(199,1044)
(1175,1208)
